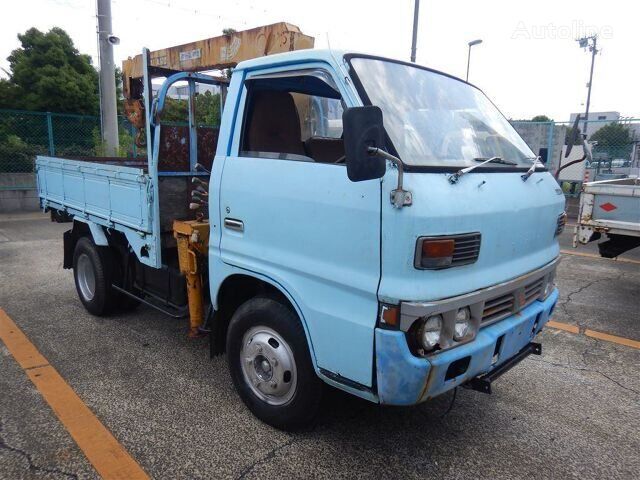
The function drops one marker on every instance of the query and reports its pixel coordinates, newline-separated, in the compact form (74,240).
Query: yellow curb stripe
(612,338)
(106,454)
(563,326)
(592,255)
(607,337)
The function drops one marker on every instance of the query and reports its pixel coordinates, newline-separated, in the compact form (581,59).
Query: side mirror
(572,137)
(362,127)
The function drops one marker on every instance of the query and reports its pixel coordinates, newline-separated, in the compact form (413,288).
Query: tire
(92,272)
(271,366)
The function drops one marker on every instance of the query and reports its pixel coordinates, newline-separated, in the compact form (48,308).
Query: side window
(296,116)
(320,116)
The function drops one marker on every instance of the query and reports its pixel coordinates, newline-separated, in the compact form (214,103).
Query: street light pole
(593,48)
(414,40)
(471,44)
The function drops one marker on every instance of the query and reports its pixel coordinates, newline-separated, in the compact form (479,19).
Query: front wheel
(270,364)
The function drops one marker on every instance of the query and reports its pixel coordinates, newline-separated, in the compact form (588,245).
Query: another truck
(612,208)
(367,223)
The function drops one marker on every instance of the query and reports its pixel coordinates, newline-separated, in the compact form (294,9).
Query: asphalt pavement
(571,413)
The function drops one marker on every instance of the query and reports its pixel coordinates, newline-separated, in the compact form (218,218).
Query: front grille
(498,308)
(466,250)
(505,305)
(560,223)
(532,291)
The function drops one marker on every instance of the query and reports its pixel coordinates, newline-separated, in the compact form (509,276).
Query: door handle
(233,224)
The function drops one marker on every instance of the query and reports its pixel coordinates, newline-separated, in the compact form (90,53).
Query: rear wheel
(92,275)
(271,365)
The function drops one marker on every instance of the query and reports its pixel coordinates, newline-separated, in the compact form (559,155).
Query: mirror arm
(377,152)
(399,197)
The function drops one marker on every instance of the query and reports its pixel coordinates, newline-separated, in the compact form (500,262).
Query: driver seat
(274,125)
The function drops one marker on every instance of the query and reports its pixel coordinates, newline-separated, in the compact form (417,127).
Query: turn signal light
(390,315)
(437,253)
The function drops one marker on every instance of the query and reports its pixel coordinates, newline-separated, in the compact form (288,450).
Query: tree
(612,135)
(541,118)
(47,73)
(614,141)
(207,107)
(119,92)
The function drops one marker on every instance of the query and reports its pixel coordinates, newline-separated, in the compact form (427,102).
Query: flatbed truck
(610,208)
(368,224)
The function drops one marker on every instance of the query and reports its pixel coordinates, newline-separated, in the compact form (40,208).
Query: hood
(516,220)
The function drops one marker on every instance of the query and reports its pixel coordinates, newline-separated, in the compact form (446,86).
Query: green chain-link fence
(23,135)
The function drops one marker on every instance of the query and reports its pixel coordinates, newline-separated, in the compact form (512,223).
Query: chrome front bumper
(480,300)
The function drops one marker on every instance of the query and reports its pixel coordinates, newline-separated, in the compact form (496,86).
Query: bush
(16,155)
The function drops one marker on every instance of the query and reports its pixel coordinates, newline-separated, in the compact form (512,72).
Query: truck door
(290,213)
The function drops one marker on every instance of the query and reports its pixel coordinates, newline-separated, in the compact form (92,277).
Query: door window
(294,117)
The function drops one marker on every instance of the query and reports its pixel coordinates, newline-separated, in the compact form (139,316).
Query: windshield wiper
(454,177)
(493,160)
(532,169)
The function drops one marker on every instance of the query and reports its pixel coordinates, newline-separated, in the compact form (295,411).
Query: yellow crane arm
(218,52)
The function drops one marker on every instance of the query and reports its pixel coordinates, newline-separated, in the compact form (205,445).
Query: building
(597,120)
(545,139)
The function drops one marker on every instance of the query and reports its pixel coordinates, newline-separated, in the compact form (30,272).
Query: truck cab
(398,304)
(373,225)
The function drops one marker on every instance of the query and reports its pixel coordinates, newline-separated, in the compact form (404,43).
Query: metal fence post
(550,152)
(134,147)
(52,148)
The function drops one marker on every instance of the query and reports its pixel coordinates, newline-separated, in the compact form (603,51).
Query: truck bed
(615,200)
(611,207)
(108,194)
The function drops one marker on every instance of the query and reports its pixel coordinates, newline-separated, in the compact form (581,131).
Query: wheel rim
(86,277)
(268,365)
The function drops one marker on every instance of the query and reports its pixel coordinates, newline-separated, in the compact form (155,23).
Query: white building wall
(597,120)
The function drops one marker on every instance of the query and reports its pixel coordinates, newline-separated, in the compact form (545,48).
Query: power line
(168,4)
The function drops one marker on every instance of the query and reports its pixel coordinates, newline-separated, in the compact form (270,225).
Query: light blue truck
(374,225)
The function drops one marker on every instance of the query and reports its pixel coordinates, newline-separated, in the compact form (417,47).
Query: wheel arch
(82,228)
(70,239)
(237,288)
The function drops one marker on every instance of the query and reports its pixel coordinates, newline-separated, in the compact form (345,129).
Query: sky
(529,62)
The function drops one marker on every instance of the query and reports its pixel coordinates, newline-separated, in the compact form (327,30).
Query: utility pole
(416,12)
(107,81)
(591,43)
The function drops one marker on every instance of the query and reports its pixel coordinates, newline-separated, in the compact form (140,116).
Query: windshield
(436,120)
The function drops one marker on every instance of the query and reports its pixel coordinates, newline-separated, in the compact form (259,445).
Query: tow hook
(483,383)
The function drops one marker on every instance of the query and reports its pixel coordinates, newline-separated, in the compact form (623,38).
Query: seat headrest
(274,125)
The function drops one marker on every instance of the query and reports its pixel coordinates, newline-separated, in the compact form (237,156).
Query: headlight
(548,288)
(430,332)
(462,326)
(549,285)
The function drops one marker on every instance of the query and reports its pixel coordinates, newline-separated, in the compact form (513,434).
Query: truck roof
(325,55)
